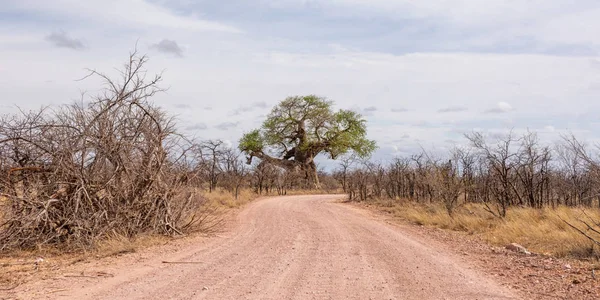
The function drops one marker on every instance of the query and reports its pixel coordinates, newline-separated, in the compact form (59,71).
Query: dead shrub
(112,166)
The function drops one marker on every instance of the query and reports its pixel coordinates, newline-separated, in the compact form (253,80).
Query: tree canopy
(301,127)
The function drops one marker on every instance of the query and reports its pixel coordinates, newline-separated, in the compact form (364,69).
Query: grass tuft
(539,230)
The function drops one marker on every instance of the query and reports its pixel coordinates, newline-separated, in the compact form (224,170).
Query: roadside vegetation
(112,174)
(542,231)
(112,168)
(507,189)
(112,171)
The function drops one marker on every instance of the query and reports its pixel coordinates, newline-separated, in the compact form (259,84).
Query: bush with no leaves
(83,171)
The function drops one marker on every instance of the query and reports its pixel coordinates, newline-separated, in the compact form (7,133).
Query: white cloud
(453,109)
(182,106)
(244,109)
(479,23)
(368,111)
(501,107)
(580,27)
(196,127)
(504,106)
(227,125)
(224,73)
(136,13)
(464,12)
(424,82)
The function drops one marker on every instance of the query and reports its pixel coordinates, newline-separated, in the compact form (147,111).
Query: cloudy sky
(423,72)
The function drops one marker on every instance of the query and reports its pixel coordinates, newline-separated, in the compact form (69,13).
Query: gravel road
(298,247)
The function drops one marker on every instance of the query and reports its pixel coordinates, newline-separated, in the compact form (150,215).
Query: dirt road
(301,247)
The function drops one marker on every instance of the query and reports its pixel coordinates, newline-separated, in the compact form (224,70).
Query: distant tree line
(115,164)
(498,173)
(218,166)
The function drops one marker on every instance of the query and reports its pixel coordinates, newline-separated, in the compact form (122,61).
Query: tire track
(300,247)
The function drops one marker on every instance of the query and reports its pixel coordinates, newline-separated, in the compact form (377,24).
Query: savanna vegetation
(508,189)
(115,167)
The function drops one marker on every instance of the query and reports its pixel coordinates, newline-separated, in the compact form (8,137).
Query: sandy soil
(300,247)
(533,276)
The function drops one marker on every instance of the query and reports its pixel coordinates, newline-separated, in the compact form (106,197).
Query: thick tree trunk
(314,177)
(303,163)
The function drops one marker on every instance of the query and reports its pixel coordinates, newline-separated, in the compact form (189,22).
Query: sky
(422,72)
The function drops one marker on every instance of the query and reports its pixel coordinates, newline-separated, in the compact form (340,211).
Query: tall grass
(222,199)
(540,230)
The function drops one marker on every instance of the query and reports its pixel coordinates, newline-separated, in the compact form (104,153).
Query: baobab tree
(301,127)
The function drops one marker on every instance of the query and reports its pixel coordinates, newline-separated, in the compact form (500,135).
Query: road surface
(298,247)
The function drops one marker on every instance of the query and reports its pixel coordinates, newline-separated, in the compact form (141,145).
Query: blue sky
(422,72)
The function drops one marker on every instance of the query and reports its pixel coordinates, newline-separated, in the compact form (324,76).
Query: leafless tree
(345,165)
(574,185)
(533,171)
(499,173)
(447,181)
(212,156)
(501,161)
(234,171)
(265,177)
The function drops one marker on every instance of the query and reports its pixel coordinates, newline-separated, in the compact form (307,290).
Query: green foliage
(348,133)
(252,142)
(301,127)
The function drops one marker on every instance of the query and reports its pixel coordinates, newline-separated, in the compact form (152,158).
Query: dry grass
(114,244)
(222,199)
(18,267)
(541,231)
